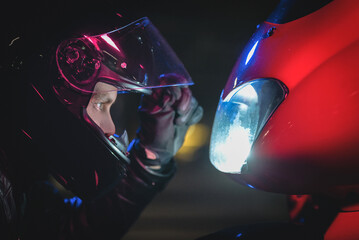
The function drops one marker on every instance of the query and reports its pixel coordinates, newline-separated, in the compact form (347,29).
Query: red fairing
(311,142)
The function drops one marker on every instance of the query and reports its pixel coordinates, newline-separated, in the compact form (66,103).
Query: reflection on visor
(133,57)
(239,119)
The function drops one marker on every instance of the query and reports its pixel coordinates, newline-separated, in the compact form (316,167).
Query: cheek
(102,119)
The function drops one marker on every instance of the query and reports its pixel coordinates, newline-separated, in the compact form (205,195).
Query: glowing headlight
(239,119)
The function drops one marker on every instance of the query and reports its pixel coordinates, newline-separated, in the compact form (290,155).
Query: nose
(107,125)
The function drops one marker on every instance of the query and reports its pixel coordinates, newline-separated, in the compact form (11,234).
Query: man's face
(99,106)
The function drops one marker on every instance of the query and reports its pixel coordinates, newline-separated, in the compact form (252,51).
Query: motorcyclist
(67,70)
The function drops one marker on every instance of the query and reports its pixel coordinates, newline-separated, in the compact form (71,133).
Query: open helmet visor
(134,57)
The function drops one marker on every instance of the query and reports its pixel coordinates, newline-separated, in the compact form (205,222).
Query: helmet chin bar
(240,117)
(117,144)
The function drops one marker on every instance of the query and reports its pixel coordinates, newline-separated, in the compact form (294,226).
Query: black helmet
(66,66)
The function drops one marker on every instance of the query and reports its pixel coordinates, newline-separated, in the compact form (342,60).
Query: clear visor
(133,57)
(239,119)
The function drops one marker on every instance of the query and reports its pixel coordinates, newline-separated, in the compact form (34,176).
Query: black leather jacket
(40,212)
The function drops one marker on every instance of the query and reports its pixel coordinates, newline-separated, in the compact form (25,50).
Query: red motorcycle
(287,120)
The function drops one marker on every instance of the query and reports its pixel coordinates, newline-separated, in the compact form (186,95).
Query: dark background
(207,37)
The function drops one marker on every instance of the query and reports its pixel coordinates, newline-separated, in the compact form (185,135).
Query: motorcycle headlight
(239,119)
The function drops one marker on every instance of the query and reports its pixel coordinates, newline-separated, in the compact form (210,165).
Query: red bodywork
(311,142)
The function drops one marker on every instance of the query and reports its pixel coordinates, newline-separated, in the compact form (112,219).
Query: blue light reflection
(251,52)
(75,201)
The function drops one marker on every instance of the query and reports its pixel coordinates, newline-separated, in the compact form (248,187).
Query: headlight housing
(239,119)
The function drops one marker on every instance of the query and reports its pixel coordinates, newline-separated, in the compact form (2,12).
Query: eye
(98,106)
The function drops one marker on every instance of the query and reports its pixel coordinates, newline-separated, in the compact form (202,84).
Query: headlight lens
(239,119)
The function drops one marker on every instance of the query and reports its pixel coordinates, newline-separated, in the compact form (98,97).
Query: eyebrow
(103,97)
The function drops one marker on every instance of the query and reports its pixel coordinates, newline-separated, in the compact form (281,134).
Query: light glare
(109,41)
(234,149)
(251,52)
(247,92)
